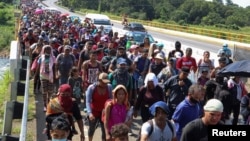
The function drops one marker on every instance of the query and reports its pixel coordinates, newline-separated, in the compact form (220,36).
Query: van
(100,20)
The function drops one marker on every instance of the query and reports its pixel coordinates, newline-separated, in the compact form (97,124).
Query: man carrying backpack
(158,128)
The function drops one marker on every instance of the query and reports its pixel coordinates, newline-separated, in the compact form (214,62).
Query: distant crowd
(78,67)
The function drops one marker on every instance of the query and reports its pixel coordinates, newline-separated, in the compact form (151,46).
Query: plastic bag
(192,77)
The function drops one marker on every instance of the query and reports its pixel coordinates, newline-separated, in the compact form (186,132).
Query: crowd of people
(78,67)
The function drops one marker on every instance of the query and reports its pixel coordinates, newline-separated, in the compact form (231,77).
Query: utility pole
(99,6)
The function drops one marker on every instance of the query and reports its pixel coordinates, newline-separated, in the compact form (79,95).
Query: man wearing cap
(121,53)
(96,96)
(197,129)
(160,46)
(163,129)
(222,64)
(157,64)
(227,51)
(176,88)
(121,76)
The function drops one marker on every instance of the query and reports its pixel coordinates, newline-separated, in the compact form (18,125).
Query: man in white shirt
(159,128)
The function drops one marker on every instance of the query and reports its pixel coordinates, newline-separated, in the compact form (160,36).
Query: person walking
(161,128)
(197,129)
(96,96)
(189,105)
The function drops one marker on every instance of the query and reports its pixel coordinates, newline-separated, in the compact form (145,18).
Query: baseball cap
(213,105)
(103,77)
(121,48)
(185,69)
(158,56)
(121,61)
(160,45)
(223,59)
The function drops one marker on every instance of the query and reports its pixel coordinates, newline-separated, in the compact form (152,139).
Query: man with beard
(121,53)
(64,104)
(188,110)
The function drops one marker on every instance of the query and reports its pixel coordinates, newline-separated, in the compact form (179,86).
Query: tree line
(197,12)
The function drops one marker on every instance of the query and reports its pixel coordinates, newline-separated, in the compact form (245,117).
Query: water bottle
(129,113)
(140,82)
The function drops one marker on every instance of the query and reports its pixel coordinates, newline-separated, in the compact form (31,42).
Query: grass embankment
(5,96)
(7,34)
(7,28)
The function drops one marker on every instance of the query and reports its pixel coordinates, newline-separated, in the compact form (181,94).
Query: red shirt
(186,62)
(98,101)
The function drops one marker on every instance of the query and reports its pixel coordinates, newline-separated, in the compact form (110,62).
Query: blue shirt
(184,113)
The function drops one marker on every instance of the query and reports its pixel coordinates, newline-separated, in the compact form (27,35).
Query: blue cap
(121,61)
(160,45)
(161,104)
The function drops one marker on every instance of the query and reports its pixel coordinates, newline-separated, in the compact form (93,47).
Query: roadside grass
(5,96)
(243,30)
(7,29)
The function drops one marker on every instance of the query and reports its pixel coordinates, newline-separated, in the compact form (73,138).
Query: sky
(242,3)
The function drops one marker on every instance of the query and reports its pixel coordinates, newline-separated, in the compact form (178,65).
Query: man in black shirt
(197,130)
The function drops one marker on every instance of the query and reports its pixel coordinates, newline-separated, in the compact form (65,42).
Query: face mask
(59,139)
(47,54)
(193,100)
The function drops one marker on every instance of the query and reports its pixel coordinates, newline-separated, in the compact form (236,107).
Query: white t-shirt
(158,135)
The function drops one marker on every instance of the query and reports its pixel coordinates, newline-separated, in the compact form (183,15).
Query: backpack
(152,128)
(108,101)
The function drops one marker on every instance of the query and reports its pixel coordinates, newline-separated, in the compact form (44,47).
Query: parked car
(134,26)
(139,36)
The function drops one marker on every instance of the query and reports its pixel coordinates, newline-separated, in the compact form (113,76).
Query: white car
(100,20)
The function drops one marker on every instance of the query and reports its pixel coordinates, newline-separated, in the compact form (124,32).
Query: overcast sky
(242,3)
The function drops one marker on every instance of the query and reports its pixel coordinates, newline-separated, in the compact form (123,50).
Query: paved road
(212,47)
(159,35)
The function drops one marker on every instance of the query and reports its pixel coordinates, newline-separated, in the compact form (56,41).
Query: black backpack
(152,128)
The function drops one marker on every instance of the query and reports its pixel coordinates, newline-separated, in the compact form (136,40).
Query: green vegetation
(7,25)
(183,12)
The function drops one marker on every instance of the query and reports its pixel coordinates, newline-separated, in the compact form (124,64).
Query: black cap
(222,59)
(141,45)
(121,48)
(185,69)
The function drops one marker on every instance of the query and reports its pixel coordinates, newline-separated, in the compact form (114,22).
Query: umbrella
(38,11)
(64,14)
(239,68)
